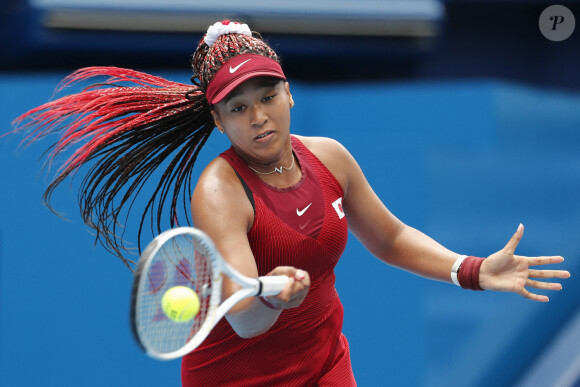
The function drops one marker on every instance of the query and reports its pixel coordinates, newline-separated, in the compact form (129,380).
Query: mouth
(264,136)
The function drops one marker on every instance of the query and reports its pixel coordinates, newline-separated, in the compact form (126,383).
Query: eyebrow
(266,83)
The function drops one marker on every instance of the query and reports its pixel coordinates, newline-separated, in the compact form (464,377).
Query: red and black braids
(124,135)
(208,60)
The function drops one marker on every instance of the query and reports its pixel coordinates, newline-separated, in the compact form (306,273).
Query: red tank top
(300,206)
(301,345)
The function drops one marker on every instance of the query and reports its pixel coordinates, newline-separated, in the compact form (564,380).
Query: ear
(217,121)
(290,99)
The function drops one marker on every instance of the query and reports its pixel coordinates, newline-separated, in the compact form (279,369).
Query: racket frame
(262,286)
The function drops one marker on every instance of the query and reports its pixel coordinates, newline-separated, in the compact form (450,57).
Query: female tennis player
(274,203)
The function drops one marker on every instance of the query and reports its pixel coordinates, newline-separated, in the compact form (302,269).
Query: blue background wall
(463,134)
(464,161)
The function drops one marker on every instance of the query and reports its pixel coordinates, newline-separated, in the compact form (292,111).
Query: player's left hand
(506,272)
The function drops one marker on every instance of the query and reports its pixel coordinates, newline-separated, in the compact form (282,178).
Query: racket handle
(272,284)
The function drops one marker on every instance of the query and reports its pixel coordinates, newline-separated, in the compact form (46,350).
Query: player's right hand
(295,290)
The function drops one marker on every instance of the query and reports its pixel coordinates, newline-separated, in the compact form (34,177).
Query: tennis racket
(186,256)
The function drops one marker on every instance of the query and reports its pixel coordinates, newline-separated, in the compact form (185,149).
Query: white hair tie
(223,28)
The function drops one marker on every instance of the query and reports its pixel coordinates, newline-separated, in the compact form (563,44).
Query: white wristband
(455,269)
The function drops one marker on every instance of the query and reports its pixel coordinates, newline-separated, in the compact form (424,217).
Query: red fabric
(339,372)
(301,206)
(239,69)
(468,275)
(305,346)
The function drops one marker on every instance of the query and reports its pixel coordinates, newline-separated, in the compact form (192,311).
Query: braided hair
(208,60)
(125,133)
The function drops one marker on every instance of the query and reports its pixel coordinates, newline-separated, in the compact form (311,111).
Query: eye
(268,98)
(238,109)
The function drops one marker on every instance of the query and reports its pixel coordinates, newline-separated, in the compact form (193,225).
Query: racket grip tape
(272,284)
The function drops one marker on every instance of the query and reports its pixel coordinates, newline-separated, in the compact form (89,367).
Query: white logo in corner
(337,204)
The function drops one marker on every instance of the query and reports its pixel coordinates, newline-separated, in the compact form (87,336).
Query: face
(256,118)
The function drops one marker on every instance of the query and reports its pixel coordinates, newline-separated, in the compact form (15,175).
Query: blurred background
(464,117)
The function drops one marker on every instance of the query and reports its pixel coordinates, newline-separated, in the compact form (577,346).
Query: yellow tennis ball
(180,304)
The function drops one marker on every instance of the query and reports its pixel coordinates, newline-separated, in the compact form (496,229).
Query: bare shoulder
(217,175)
(220,207)
(332,154)
(219,195)
(323,147)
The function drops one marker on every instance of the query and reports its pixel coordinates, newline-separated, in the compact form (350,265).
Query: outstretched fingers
(538,261)
(543,285)
(512,244)
(534,297)
(545,274)
(520,266)
(532,273)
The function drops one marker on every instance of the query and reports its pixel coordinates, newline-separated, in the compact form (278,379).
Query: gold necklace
(276,169)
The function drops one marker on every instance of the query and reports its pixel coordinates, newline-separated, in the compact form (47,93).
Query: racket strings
(176,263)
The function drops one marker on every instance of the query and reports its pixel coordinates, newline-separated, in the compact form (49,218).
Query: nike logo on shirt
(233,70)
(300,213)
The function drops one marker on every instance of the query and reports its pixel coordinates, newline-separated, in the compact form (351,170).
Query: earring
(291,103)
(221,131)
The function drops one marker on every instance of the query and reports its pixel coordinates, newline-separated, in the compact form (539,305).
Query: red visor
(239,69)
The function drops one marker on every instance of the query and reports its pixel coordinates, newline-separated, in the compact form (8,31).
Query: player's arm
(383,234)
(400,245)
(221,208)
(407,248)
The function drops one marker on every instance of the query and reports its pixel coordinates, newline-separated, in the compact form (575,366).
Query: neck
(279,169)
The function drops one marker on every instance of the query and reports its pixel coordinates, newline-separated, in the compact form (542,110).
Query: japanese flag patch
(337,204)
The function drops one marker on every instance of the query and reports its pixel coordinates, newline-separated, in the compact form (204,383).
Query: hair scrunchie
(223,28)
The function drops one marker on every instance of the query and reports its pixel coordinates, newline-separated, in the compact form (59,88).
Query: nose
(258,117)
